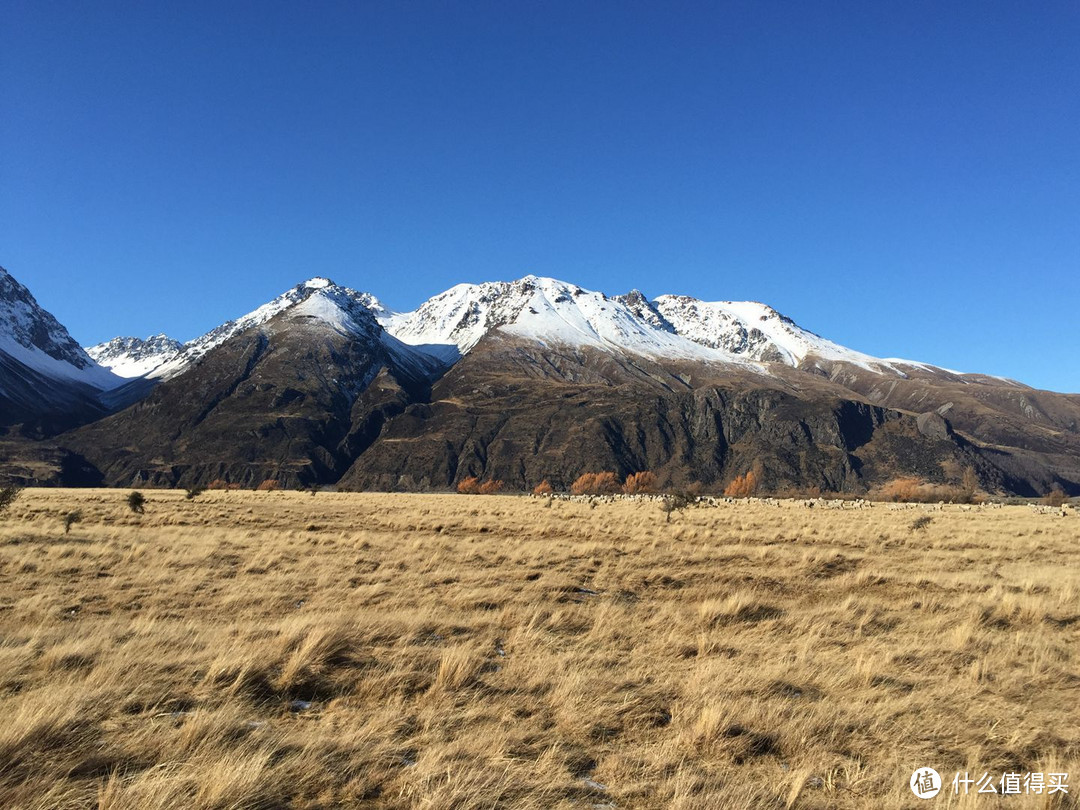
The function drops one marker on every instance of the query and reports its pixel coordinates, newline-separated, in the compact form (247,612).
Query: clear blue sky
(901,177)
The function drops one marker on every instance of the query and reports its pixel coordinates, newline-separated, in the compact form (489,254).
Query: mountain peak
(35,338)
(135,357)
(317,301)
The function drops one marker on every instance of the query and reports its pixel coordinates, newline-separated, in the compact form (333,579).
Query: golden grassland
(277,649)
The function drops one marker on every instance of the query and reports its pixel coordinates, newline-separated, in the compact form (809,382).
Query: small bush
(640,483)
(543,488)
(676,502)
(269,485)
(136,502)
(1055,497)
(601,483)
(490,487)
(193,493)
(469,486)
(70,519)
(8,496)
(921,523)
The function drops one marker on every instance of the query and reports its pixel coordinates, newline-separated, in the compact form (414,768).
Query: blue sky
(901,177)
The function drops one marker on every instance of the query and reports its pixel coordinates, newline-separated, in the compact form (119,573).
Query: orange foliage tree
(601,483)
(268,485)
(543,488)
(639,483)
(490,487)
(902,489)
(743,486)
(469,486)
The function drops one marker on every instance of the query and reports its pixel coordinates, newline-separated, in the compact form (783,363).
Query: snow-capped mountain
(555,312)
(345,311)
(546,311)
(324,384)
(758,332)
(135,357)
(34,338)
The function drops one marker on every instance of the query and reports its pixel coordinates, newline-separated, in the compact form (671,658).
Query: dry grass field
(260,650)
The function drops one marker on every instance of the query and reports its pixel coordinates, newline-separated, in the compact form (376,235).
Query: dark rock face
(291,404)
(593,413)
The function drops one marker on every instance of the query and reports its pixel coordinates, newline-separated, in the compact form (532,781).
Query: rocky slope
(292,392)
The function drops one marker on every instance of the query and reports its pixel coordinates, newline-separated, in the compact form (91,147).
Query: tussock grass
(263,650)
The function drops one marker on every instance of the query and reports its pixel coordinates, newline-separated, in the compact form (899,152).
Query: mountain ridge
(542,379)
(451,323)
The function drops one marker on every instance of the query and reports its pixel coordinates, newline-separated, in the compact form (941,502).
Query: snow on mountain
(32,336)
(556,312)
(545,310)
(325,303)
(129,357)
(755,331)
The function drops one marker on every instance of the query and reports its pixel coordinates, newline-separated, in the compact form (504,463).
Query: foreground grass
(257,650)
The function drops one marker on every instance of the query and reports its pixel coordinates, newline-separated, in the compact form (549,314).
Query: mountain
(541,379)
(135,357)
(294,391)
(554,312)
(47,381)
(520,381)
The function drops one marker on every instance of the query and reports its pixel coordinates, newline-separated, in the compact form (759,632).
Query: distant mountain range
(521,381)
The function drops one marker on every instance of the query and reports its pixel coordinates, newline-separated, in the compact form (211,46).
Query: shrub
(193,493)
(920,523)
(543,488)
(907,489)
(136,502)
(639,483)
(469,486)
(8,496)
(221,483)
(914,490)
(490,487)
(675,502)
(70,519)
(743,486)
(1055,497)
(601,483)
(269,485)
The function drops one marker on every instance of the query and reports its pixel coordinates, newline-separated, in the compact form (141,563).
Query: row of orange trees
(601,483)
(608,483)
